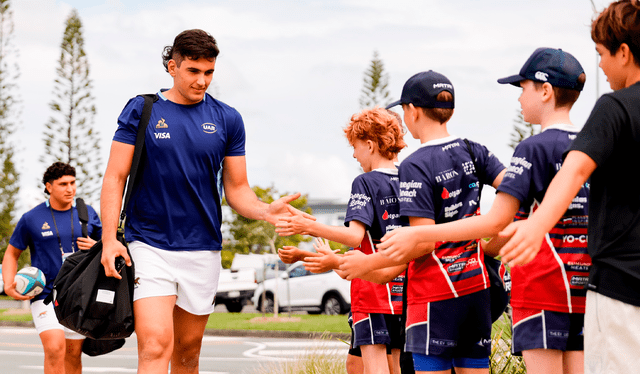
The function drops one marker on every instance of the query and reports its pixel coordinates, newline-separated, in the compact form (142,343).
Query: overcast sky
(294,70)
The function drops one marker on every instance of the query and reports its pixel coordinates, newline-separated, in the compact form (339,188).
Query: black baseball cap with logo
(422,89)
(555,66)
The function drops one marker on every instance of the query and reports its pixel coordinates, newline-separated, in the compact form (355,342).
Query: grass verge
(301,322)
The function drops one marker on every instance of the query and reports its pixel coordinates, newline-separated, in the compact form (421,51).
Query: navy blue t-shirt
(374,202)
(176,203)
(36,229)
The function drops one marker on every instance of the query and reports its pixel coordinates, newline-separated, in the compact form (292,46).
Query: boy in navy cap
(605,152)
(448,314)
(548,295)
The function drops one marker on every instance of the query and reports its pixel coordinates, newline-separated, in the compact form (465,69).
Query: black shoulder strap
(83,215)
(149,99)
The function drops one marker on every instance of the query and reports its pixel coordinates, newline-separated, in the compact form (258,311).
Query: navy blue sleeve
(416,190)
(360,205)
(128,121)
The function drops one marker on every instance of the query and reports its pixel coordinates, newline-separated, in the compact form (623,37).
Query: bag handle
(149,99)
(83,216)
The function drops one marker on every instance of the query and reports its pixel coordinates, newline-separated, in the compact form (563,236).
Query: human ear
(171,67)
(625,54)
(49,187)
(547,91)
(371,145)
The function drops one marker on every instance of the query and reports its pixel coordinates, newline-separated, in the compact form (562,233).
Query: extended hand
(281,208)
(524,244)
(325,260)
(353,265)
(399,244)
(292,225)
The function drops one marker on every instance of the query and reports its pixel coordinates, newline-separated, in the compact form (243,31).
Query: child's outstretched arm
(526,236)
(404,243)
(351,259)
(348,235)
(290,254)
(326,259)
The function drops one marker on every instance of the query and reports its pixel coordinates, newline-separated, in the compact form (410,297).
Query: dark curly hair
(191,44)
(56,171)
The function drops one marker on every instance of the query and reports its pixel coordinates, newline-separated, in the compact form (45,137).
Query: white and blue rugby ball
(30,281)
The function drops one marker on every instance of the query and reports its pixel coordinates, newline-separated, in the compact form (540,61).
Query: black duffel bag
(90,303)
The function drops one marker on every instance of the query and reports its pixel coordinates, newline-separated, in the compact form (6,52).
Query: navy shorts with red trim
(544,329)
(453,328)
(376,328)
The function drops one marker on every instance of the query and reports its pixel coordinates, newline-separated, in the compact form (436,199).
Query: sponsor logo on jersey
(469,167)
(388,200)
(391,227)
(446,175)
(474,185)
(47,233)
(541,76)
(473,203)
(387,216)
(452,210)
(42,314)
(162,124)
(162,135)
(456,267)
(450,259)
(46,226)
(578,202)
(449,146)
(358,200)
(396,288)
(572,239)
(447,195)
(209,128)
(580,281)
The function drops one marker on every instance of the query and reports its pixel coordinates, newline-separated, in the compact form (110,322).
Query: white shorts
(44,317)
(192,276)
(611,335)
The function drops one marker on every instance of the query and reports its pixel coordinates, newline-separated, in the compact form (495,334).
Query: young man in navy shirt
(194,146)
(52,231)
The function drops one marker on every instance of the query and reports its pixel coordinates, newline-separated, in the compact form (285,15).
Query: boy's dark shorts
(544,329)
(457,328)
(375,328)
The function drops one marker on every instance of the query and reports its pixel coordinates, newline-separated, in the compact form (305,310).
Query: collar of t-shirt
(448,139)
(387,171)
(48,204)
(161,95)
(561,126)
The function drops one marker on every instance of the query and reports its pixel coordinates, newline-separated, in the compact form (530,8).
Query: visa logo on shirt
(163,135)
(47,233)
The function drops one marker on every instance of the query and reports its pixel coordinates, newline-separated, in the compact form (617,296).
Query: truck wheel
(234,306)
(268,306)
(332,305)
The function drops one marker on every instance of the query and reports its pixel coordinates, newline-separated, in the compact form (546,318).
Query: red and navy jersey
(374,202)
(555,279)
(439,181)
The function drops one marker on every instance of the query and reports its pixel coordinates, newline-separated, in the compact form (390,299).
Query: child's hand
(326,260)
(353,265)
(525,242)
(399,244)
(295,224)
(290,254)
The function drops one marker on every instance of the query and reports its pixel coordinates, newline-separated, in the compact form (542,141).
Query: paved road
(21,352)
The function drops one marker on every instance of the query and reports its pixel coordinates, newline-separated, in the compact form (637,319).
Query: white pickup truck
(235,288)
(237,285)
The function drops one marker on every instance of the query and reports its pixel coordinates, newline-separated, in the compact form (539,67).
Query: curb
(238,333)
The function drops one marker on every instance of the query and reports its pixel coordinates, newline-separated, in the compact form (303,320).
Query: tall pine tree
(69,135)
(521,131)
(376,80)
(9,113)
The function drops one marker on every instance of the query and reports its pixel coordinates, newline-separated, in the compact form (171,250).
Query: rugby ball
(30,281)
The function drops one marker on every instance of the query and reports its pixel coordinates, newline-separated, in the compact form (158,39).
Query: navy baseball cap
(555,66)
(422,89)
